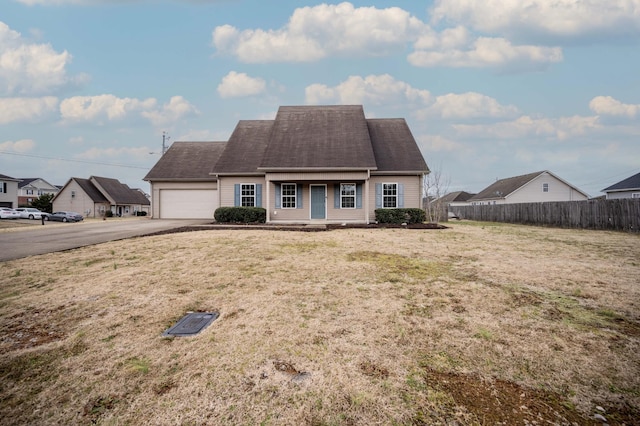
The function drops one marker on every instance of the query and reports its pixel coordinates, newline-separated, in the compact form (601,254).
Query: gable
(319,137)
(245,149)
(503,187)
(394,147)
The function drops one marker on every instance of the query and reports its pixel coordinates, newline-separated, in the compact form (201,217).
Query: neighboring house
(8,191)
(458,198)
(627,188)
(531,188)
(31,188)
(95,196)
(325,164)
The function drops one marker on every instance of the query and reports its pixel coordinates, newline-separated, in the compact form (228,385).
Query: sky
(490,89)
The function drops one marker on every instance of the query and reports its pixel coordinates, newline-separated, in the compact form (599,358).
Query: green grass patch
(399,268)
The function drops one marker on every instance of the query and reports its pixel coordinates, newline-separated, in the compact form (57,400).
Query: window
(635,195)
(348,195)
(288,195)
(545,187)
(3,187)
(390,195)
(248,195)
(29,191)
(73,194)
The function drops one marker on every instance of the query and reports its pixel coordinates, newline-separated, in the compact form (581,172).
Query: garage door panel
(188,203)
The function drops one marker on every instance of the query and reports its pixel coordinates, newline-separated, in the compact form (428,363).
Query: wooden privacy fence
(619,215)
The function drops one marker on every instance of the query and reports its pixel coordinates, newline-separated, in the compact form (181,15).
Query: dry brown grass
(476,324)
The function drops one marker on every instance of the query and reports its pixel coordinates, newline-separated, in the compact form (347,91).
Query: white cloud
(28,68)
(313,33)
(103,108)
(26,109)
(236,84)
(606,105)
(468,105)
(485,52)
(525,126)
(386,90)
(177,109)
(557,18)
(21,146)
(374,89)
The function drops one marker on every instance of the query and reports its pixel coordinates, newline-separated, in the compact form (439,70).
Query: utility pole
(165,141)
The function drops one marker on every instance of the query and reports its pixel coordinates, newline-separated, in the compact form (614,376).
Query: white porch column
(267,196)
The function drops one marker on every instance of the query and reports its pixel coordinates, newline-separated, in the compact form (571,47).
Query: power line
(74,161)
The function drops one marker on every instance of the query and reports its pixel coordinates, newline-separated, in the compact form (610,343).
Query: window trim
(396,196)
(545,187)
(344,197)
(293,203)
(242,196)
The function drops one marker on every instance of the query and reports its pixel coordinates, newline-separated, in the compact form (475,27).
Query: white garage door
(188,203)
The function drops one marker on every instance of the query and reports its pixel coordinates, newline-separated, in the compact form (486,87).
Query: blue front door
(318,201)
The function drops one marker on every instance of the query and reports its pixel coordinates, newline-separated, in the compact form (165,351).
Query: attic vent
(192,324)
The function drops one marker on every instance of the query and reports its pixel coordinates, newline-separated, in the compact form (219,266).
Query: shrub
(141,213)
(108,213)
(400,215)
(240,215)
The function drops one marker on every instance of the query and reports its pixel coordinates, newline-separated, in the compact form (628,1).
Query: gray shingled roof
(245,148)
(300,137)
(25,181)
(394,147)
(5,177)
(319,137)
(503,187)
(187,161)
(630,183)
(456,196)
(89,188)
(120,193)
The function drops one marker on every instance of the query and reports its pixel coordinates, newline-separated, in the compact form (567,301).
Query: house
(458,198)
(95,196)
(8,191)
(326,164)
(535,187)
(31,188)
(627,188)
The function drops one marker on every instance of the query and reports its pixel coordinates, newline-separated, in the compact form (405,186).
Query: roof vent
(191,324)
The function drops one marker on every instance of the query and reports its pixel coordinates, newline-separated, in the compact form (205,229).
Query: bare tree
(434,186)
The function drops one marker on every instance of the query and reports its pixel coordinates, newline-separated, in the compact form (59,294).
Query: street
(16,243)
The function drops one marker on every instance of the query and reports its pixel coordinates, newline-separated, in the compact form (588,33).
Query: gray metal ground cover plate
(191,324)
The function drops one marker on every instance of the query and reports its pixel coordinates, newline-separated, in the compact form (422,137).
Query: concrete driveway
(16,243)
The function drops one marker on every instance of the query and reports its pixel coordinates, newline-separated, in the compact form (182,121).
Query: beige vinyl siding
(73,198)
(412,191)
(343,176)
(227,184)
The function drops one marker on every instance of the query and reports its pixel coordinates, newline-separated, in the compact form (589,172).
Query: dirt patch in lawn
(475,324)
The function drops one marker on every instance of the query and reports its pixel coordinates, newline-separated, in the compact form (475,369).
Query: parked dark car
(65,217)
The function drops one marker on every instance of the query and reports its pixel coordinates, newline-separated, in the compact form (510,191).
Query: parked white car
(7,213)
(30,213)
